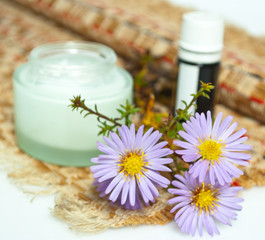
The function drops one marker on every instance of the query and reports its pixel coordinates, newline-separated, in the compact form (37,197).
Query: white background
(247,14)
(21,219)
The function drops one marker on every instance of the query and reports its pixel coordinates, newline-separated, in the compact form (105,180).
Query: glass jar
(45,126)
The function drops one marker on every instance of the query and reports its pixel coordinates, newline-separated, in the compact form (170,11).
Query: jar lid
(61,70)
(202,32)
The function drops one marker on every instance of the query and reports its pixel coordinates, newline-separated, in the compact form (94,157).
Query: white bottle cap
(202,32)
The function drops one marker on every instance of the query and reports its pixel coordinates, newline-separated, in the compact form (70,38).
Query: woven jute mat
(76,200)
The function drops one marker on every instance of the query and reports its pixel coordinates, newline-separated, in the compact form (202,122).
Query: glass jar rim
(106,55)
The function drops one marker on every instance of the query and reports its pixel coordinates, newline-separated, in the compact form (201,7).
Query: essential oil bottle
(200,46)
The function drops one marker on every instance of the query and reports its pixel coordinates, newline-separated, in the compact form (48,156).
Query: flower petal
(116,191)
(216,125)
(236,135)
(113,183)
(125,191)
(132,192)
(157,178)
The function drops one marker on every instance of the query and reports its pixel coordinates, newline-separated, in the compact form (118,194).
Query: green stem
(77,103)
(176,119)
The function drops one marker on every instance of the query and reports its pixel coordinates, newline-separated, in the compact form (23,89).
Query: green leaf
(96,108)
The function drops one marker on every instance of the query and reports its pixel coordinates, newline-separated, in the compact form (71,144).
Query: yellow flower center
(132,164)
(204,198)
(210,150)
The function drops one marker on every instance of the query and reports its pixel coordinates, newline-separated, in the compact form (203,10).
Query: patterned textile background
(134,27)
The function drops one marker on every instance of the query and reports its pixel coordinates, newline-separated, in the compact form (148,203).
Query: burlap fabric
(76,200)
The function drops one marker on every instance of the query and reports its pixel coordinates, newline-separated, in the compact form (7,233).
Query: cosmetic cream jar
(45,126)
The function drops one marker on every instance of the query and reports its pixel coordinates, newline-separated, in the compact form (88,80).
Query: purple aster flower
(199,204)
(129,170)
(213,149)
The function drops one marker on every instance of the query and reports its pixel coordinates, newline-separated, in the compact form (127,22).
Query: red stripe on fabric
(235,183)
(167,59)
(245,135)
(227,88)
(257,100)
